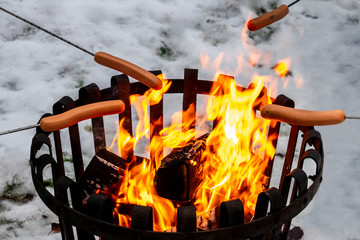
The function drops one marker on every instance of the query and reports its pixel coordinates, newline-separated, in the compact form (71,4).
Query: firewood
(104,171)
(181,172)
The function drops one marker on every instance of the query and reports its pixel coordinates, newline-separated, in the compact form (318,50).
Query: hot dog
(73,116)
(268,18)
(128,68)
(302,117)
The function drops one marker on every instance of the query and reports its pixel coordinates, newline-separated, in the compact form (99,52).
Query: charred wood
(104,171)
(181,172)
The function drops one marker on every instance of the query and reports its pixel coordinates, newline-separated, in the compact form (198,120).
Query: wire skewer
(106,59)
(75,115)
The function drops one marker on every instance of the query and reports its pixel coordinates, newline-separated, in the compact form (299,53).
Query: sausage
(75,115)
(268,18)
(128,68)
(302,117)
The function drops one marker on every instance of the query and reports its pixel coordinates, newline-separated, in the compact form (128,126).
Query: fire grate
(275,207)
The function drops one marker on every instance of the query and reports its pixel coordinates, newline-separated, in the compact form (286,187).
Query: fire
(238,148)
(237,152)
(137,186)
(282,69)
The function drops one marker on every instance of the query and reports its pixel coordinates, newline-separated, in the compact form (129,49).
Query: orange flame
(238,149)
(237,152)
(137,186)
(234,170)
(282,67)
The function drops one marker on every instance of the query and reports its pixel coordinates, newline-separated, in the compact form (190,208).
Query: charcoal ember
(105,170)
(181,172)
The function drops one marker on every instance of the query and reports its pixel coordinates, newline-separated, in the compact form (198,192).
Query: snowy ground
(322,37)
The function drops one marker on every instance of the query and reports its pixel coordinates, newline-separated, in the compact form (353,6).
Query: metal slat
(92,94)
(290,151)
(63,105)
(189,96)
(156,118)
(120,85)
(283,101)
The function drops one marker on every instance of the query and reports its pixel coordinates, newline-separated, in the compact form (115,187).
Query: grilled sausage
(75,115)
(128,68)
(302,117)
(268,18)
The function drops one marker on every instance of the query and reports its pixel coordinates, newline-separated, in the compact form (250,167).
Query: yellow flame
(236,147)
(237,152)
(282,67)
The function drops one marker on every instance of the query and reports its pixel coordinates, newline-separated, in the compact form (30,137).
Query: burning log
(104,170)
(181,172)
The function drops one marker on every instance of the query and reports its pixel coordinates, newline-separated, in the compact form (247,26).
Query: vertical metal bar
(100,207)
(63,105)
(142,218)
(312,137)
(156,115)
(60,188)
(76,151)
(186,219)
(92,94)
(189,96)
(77,193)
(290,151)
(156,118)
(283,101)
(289,157)
(268,171)
(59,153)
(121,90)
(231,213)
(273,197)
(98,133)
(299,188)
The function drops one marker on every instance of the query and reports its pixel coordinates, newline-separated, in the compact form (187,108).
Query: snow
(322,37)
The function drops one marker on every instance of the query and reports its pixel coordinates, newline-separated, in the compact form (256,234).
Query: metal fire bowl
(276,221)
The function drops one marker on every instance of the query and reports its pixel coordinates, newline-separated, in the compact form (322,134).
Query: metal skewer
(106,59)
(20,129)
(303,117)
(293,3)
(352,117)
(47,31)
(75,115)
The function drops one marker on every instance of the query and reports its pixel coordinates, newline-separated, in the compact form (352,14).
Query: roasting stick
(269,17)
(75,115)
(303,117)
(107,60)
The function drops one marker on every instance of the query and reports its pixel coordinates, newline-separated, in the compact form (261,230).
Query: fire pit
(98,213)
